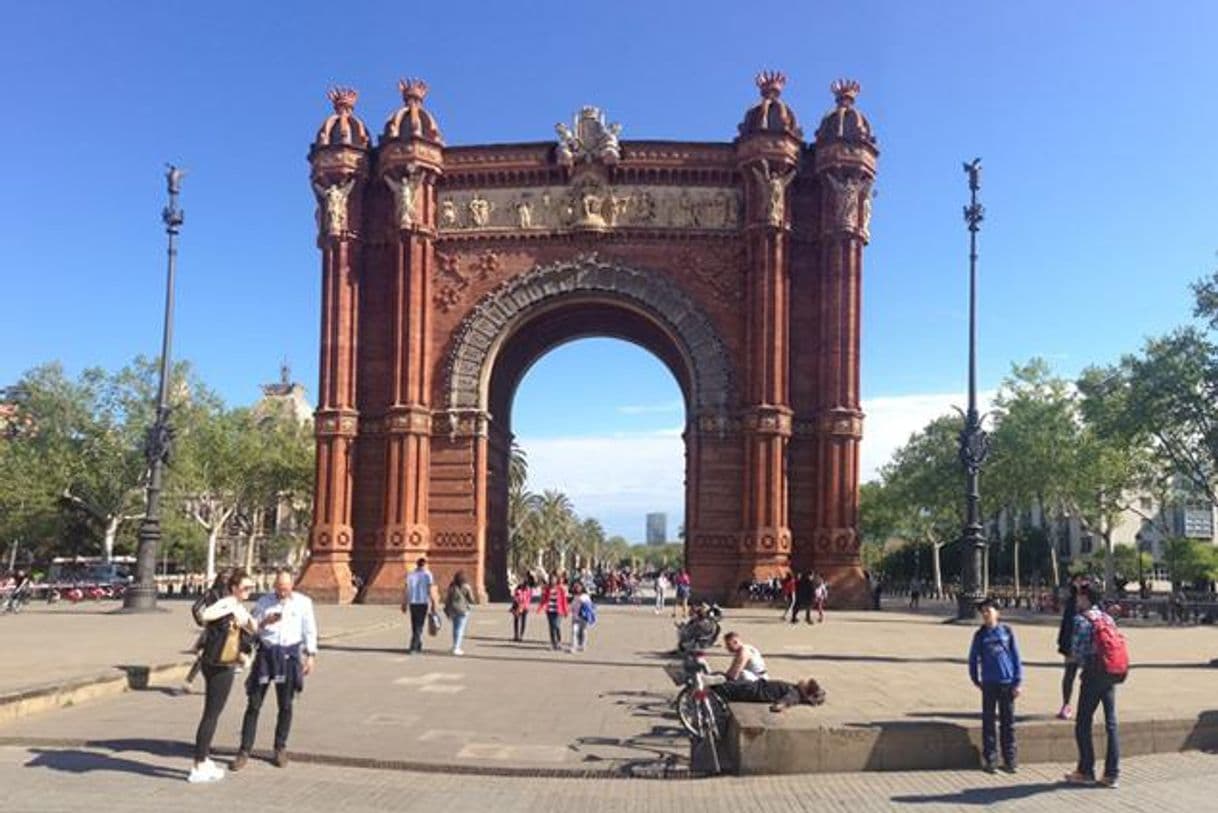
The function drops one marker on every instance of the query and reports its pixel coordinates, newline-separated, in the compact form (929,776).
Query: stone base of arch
(327,581)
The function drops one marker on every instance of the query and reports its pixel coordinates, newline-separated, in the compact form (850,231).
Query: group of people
(1091,646)
(275,643)
(805,591)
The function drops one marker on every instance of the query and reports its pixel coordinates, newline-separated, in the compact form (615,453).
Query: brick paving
(522,707)
(136,779)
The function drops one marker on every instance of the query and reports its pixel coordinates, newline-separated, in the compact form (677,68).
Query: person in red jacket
(554,604)
(522,597)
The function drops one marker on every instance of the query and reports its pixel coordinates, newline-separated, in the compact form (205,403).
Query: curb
(128,677)
(620,769)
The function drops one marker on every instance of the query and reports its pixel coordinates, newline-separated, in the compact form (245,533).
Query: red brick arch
(448,271)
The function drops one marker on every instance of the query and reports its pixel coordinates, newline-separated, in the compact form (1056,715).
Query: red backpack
(1111,651)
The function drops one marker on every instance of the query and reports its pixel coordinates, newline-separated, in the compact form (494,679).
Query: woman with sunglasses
(218,670)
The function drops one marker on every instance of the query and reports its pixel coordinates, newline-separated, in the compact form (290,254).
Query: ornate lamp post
(974,443)
(141,596)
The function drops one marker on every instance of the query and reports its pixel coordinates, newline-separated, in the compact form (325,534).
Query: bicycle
(702,712)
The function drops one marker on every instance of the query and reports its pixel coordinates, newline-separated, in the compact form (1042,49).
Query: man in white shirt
(287,651)
(420,598)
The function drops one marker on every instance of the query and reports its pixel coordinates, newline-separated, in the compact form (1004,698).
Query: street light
(974,443)
(141,596)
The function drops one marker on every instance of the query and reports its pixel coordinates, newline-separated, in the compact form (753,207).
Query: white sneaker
(458,652)
(207,771)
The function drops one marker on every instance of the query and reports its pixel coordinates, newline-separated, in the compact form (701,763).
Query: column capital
(768,419)
(336,422)
(411,419)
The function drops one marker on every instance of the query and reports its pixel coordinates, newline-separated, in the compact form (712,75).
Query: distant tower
(657,529)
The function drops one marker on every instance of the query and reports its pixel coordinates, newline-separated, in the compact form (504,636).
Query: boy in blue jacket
(995,668)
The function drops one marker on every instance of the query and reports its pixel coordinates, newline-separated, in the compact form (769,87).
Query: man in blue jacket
(995,668)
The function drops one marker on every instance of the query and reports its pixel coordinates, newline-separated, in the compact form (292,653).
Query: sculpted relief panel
(589,203)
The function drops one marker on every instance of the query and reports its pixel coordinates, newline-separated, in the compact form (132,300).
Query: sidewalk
(508,707)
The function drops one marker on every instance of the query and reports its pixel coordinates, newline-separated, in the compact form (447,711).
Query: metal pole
(974,443)
(142,594)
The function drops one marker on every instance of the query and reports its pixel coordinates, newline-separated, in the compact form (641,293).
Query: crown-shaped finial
(343,98)
(845,91)
(412,90)
(771,83)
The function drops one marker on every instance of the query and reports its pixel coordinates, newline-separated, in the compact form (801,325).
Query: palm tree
(557,517)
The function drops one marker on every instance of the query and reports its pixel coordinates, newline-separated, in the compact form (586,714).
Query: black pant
(218,682)
(518,623)
(285,692)
(1068,681)
(418,617)
(555,629)
(1097,688)
(1003,697)
(806,607)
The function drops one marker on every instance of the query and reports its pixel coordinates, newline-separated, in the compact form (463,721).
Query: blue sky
(1095,122)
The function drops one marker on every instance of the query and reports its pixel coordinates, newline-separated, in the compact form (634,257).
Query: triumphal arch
(448,270)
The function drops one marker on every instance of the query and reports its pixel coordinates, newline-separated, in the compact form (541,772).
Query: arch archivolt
(494,319)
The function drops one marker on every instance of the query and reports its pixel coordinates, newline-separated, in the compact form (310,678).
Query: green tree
(1190,561)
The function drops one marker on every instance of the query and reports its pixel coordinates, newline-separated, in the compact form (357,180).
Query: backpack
(587,613)
(1111,651)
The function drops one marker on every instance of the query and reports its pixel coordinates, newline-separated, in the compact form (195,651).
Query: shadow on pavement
(74,760)
(983,796)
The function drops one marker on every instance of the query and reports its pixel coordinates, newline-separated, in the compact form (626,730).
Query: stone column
(845,171)
(338,175)
(409,168)
(768,163)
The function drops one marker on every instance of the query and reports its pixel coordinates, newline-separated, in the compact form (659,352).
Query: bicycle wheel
(687,711)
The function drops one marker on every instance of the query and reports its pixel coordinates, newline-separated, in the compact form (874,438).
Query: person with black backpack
(996,669)
(1100,652)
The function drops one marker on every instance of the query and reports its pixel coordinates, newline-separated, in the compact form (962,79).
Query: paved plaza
(507,707)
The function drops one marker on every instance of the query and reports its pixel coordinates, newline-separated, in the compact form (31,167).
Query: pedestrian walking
(680,607)
(1065,645)
(915,593)
(287,653)
(522,599)
(995,668)
(418,601)
(788,594)
(820,596)
(554,604)
(805,593)
(1103,659)
(225,618)
(661,584)
(583,616)
(458,600)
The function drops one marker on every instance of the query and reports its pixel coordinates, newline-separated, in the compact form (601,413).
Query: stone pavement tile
(136,779)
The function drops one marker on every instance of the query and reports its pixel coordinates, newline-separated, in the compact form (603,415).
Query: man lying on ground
(780,694)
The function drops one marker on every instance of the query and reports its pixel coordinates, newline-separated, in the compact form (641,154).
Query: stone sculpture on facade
(480,210)
(332,202)
(589,139)
(773,190)
(849,204)
(405,194)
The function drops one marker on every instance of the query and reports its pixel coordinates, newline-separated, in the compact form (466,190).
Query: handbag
(223,645)
(434,623)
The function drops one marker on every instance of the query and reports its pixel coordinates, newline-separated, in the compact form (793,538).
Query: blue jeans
(1097,688)
(555,629)
(1000,696)
(460,621)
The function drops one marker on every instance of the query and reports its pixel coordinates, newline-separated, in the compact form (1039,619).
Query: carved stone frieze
(336,423)
(451,282)
(408,419)
(652,292)
(841,423)
(719,267)
(838,541)
(719,424)
(768,420)
(589,203)
(463,423)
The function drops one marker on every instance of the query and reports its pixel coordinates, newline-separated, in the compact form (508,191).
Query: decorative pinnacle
(845,91)
(343,99)
(412,90)
(771,83)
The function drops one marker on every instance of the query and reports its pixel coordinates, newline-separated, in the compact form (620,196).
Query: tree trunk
(251,539)
(112,524)
(935,548)
(1016,566)
(213,539)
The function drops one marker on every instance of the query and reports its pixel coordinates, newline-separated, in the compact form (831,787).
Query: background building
(657,529)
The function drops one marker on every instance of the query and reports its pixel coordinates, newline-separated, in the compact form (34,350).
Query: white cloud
(652,409)
(892,419)
(618,478)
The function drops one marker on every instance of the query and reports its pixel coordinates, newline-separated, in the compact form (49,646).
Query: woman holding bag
(457,603)
(225,620)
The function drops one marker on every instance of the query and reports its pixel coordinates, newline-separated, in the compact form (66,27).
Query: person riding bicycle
(20,592)
(747,664)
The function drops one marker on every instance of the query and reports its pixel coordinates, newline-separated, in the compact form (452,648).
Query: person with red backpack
(1101,653)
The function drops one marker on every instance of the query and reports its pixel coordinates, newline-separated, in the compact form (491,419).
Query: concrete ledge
(795,741)
(106,684)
